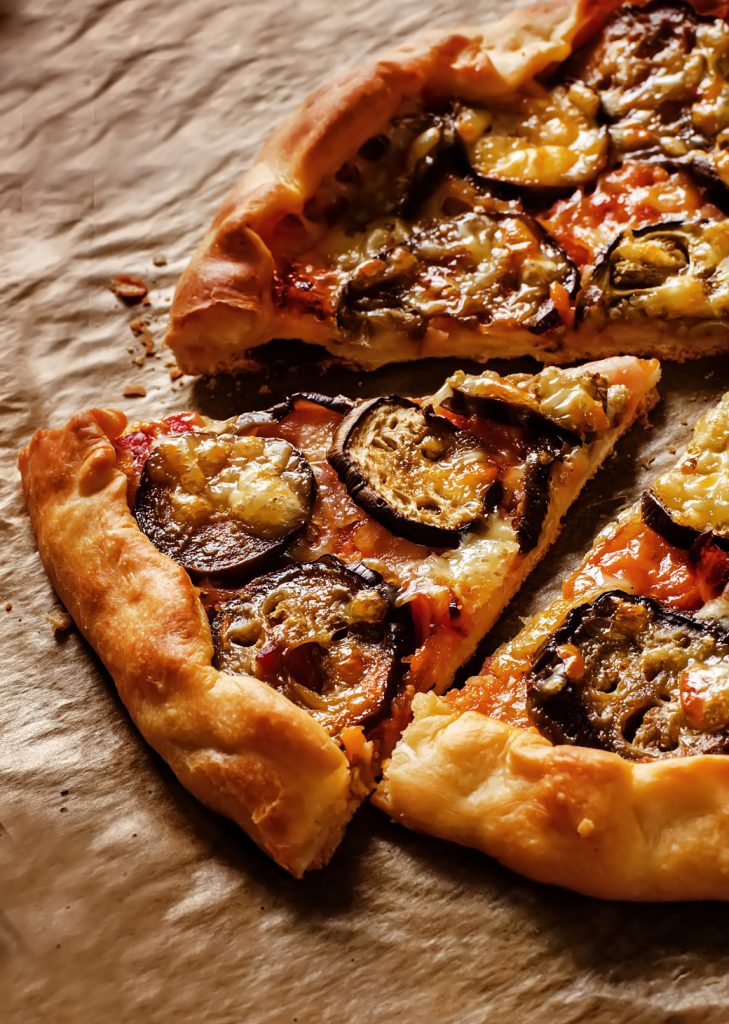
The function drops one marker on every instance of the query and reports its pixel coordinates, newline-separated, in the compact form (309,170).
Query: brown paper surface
(121,898)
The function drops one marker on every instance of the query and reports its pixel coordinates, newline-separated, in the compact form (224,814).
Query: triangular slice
(592,750)
(269,592)
(553,185)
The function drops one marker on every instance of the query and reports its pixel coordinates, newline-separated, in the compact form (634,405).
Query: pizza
(552,185)
(591,750)
(269,593)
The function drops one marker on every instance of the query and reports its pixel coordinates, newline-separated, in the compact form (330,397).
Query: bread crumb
(134,391)
(9,606)
(160,260)
(175,373)
(264,390)
(140,329)
(585,828)
(60,621)
(671,449)
(129,288)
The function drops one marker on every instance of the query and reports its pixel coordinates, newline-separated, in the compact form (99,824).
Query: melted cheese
(257,480)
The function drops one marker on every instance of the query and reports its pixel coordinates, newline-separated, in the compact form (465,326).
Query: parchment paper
(122,899)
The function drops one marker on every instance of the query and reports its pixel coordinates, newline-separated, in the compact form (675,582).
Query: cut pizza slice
(591,751)
(505,191)
(269,592)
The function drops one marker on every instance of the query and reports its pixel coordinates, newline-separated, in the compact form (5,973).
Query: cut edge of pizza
(484,193)
(269,592)
(591,751)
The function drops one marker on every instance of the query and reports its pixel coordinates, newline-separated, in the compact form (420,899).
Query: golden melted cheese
(257,480)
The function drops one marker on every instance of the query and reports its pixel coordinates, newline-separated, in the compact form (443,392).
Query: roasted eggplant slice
(672,271)
(661,73)
(413,471)
(691,500)
(548,140)
(626,674)
(320,633)
(463,259)
(380,179)
(489,396)
(247,422)
(221,503)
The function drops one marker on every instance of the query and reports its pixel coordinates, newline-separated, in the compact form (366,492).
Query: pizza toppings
(632,195)
(664,270)
(693,497)
(625,674)
(661,73)
(321,633)
(220,503)
(413,471)
(541,139)
(463,258)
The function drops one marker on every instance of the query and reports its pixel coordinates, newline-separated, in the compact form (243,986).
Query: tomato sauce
(133,448)
(634,194)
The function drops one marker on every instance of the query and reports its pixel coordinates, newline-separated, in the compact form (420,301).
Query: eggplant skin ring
(322,633)
(626,674)
(224,503)
(413,471)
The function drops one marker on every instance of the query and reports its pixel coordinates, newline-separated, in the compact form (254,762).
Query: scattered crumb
(60,621)
(140,329)
(175,373)
(9,606)
(160,261)
(138,361)
(684,423)
(671,449)
(134,391)
(65,792)
(63,809)
(130,348)
(647,463)
(128,288)
(264,390)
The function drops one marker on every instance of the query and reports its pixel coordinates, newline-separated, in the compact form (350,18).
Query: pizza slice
(269,592)
(591,751)
(513,190)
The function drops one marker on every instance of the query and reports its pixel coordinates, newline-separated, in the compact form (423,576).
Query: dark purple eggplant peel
(413,471)
(614,675)
(224,504)
(322,633)
(667,523)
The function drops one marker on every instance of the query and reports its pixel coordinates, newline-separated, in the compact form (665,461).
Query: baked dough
(568,815)
(236,743)
(225,303)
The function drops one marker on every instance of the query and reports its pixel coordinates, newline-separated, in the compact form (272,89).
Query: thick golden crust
(568,815)
(224,305)
(234,742)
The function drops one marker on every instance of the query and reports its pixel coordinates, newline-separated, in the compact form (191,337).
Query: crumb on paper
(60,622)
(175,373)
(8,606)
(129,288)
(64,792)
(134,391)
(140,329)
(672,449)
(264,390)
(160,260)
(138,361)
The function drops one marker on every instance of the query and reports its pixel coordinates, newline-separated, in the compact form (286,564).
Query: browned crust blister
(574,816)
